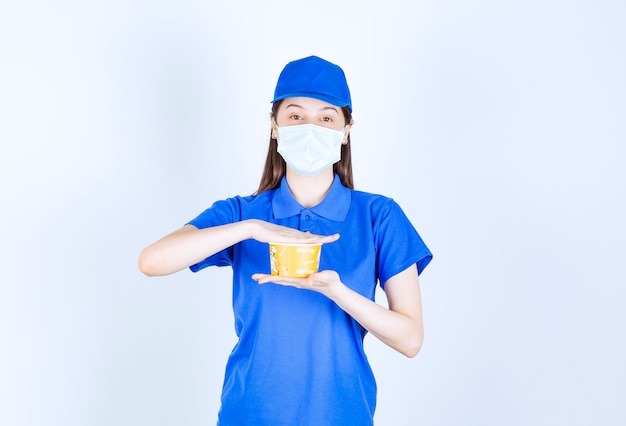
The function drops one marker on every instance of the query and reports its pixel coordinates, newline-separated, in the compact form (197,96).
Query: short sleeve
(398,243)
(220,213)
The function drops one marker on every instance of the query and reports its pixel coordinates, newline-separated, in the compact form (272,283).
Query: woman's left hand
(324,282)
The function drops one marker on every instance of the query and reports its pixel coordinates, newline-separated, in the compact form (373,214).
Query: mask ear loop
(345,135)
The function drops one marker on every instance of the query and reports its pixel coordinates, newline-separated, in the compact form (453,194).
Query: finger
(267,278)
(321,238)
(262,278)
(278,279)
(331,238)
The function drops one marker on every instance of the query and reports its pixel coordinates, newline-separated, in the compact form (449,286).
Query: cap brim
(319,96)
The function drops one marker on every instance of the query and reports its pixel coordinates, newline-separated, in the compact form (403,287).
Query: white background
(497,125)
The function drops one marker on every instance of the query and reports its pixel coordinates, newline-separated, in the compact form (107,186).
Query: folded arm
(400,326)
(190,245)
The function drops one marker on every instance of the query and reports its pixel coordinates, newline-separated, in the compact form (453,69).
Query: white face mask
(309,149)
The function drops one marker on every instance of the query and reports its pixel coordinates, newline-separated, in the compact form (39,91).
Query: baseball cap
(313,77)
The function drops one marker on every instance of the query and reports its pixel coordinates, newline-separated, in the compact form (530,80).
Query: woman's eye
(295,117)
(327,119)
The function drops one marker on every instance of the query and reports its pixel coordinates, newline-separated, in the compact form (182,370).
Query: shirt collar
(334,206)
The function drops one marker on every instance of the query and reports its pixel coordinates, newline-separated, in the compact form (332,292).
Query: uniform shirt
(299,359)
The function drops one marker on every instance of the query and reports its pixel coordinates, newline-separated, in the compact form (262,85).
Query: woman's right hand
(266,232)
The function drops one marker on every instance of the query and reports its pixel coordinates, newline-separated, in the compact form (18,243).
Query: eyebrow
(321,109)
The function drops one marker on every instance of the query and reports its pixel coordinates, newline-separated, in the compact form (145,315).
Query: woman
(299,359)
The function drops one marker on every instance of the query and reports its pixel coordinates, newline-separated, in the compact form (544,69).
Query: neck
(310,190)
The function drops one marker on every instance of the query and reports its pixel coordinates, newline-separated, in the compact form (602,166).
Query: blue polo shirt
(299,358)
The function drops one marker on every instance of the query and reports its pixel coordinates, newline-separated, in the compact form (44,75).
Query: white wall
(498,126)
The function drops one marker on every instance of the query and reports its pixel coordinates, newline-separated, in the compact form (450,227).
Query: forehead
(307,104)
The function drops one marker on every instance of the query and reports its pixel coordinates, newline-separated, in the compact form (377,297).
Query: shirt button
(307,217)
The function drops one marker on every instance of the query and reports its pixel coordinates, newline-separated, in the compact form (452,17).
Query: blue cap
(316,78)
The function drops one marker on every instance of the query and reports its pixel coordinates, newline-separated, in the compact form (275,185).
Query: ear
(346,133)
(274,129)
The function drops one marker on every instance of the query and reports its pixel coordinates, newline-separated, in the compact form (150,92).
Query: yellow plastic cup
(294,260)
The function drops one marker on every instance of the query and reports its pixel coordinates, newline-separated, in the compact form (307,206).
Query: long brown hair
(275,167)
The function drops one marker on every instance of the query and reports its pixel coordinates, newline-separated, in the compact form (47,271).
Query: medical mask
(309,149)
